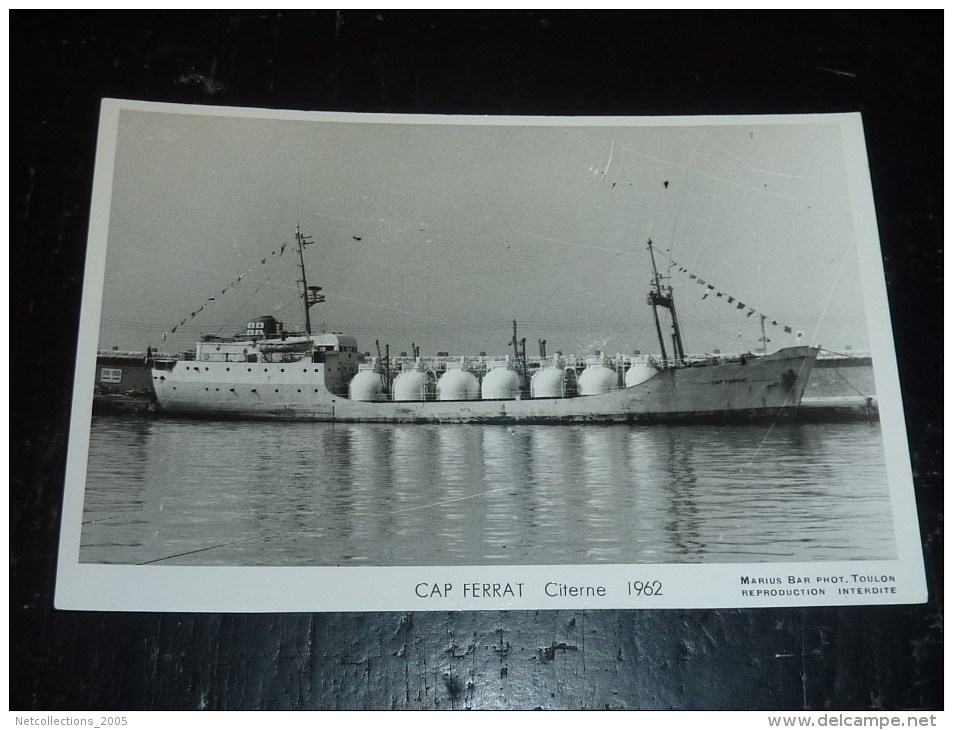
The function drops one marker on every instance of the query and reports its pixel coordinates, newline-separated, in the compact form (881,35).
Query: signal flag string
(711,289)
(231,285)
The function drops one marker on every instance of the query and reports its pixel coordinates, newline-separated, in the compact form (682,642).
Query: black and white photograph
(597,215)
(387,361)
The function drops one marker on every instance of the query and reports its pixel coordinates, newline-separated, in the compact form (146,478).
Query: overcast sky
(442,234)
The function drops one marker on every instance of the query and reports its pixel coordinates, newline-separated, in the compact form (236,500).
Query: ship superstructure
(267,372)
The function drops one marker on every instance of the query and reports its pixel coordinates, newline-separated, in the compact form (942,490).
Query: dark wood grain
(887,66)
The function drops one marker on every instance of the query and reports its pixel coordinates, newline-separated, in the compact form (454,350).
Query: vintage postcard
(346,362)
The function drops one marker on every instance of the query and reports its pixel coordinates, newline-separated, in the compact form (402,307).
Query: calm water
(177,492)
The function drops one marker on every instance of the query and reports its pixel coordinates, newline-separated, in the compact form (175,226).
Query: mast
(677,334)
(520,361)
(523,361)
(302,241)
(310,295)
(662,297)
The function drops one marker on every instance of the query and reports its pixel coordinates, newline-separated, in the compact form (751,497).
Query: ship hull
(764,387)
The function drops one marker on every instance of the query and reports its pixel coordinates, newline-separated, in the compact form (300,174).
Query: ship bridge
(334,342)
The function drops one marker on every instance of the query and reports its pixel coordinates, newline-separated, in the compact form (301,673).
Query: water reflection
(459,451)
(209,493)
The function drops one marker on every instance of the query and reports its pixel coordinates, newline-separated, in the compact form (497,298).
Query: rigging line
(611,151)
(379,306)
(621,164)
(198,268)
(757,452)
(443,502)
(776,420)
(210,547)
(640,331)
(175,262)
(111,518)
(289,303)
(237,281)
(704,242)
(568,243)
(622,317)
(269,535)
(747,306)
(268,281)
(715,177)
(243,307)
(681,205)
(842,354)
(343,218)
(380,220)
(761,299)
(830,294)
(712,326)
(251,296)
(850,385)
(243,304)
(744,163)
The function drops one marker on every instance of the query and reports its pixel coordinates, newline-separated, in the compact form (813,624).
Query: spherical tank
(458,384)
(410,385)
(500,383)
(366,386)
(549,382)
(638,373)
(597,379)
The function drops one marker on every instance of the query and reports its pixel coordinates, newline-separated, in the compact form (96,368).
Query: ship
(267,372)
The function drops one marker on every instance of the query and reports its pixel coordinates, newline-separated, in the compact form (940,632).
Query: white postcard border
(309,589)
